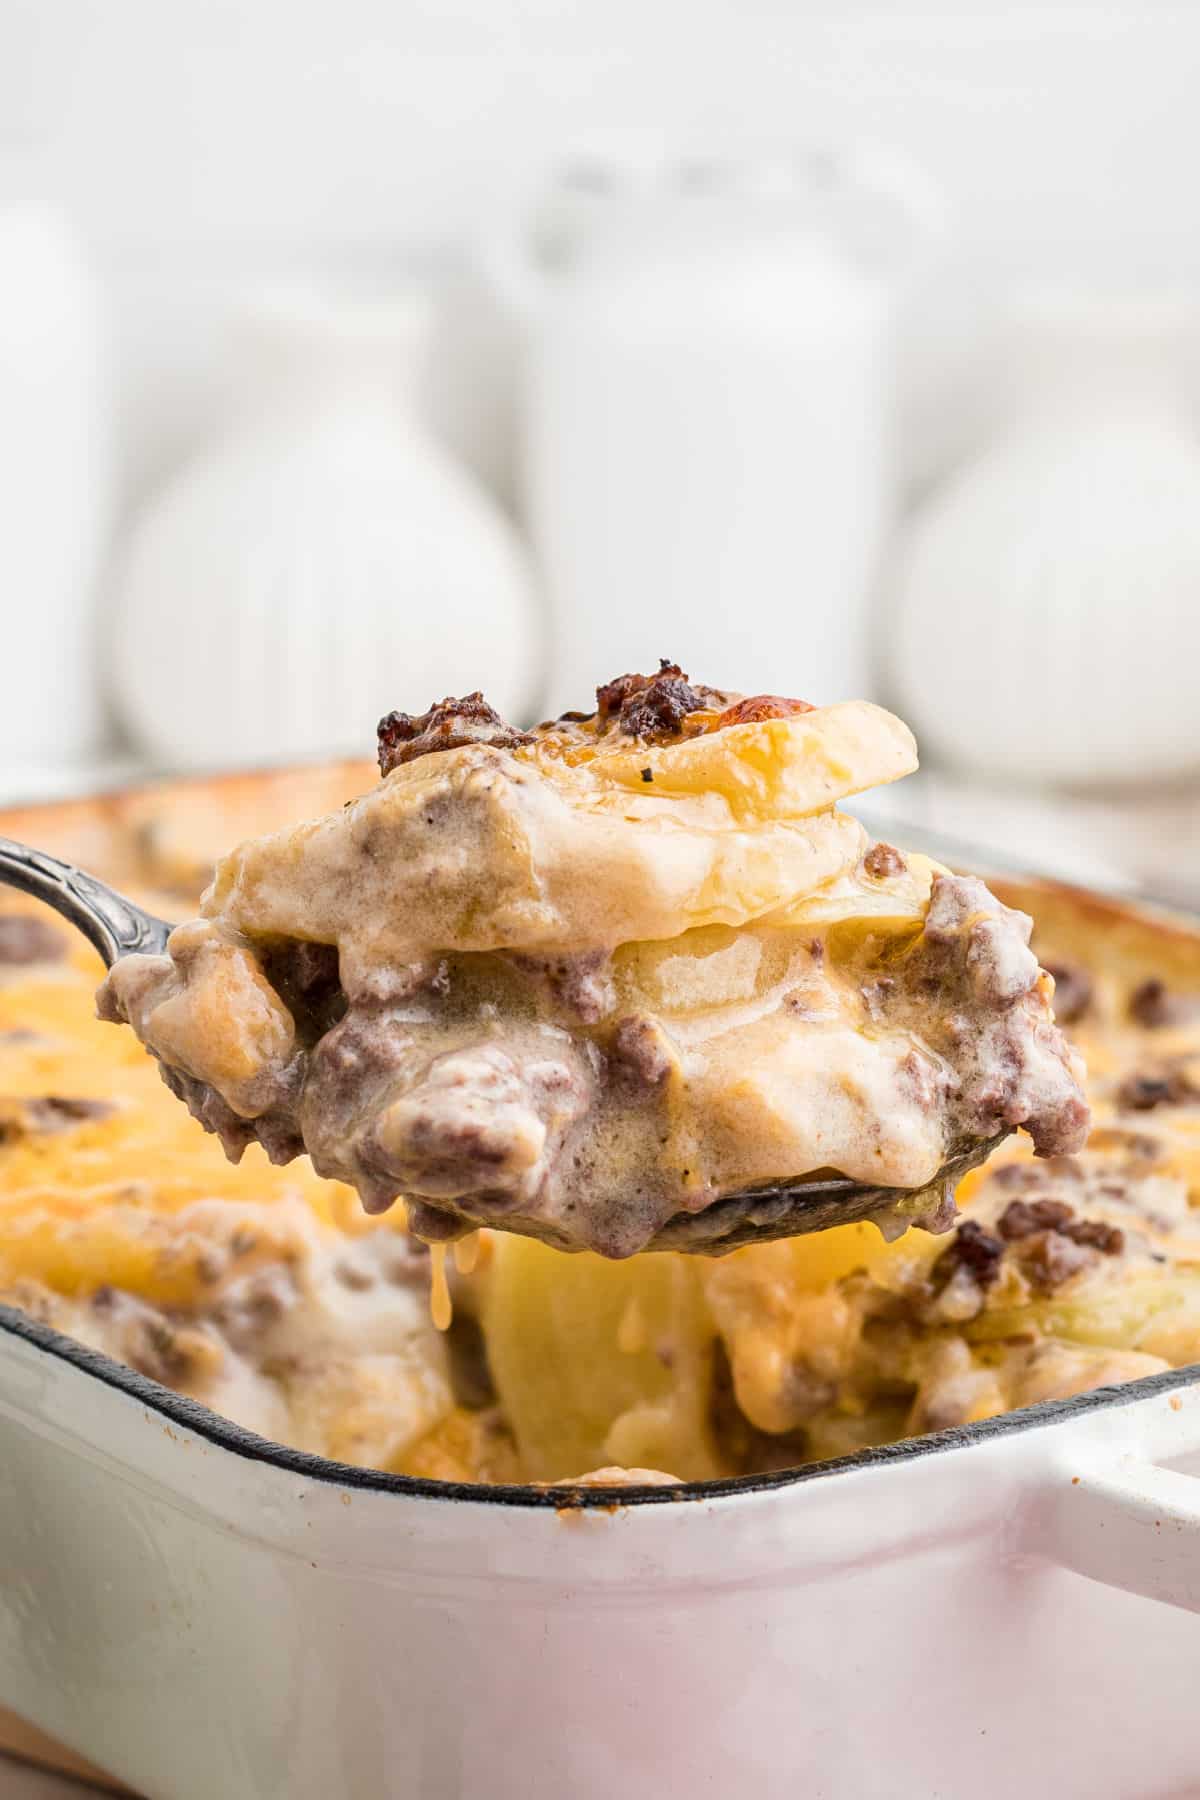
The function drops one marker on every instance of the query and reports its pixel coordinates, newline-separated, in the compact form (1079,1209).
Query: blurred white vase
(706,394)
(323,562)
(1044,611)
(54,487)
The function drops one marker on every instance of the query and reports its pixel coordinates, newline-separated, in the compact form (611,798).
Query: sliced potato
(598,1362)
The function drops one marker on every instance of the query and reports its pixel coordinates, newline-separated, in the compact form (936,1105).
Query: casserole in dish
(202,1612)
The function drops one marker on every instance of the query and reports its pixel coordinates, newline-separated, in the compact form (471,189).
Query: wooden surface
(37,1752)
(30,1781)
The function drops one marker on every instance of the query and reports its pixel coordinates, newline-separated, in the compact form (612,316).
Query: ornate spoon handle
(108,920)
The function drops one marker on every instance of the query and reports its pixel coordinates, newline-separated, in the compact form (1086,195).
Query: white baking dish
(1008,1609)
(1002,1610)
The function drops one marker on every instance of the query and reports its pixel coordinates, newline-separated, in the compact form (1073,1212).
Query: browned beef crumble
(972,1249)
(1108,1239)
(614,697)
(449,724)
(973,957)
(25,939)
(1024,1218)
(1021,1218)
(1050,1258)
(307,980)
(653,706)
(640,1056)
(276,1129)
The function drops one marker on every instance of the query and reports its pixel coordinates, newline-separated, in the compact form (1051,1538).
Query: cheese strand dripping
(441,1308)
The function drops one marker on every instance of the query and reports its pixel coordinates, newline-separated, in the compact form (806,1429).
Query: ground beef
(275,1129)
(1108,1239)
(25,939)
(1050,1258)
(307,980)
(479,1118)
(449,724)
(972,1249)
(1021,1218)
(653,707)
(640,1057)
(1024,1218)
(612,697)
(973,960)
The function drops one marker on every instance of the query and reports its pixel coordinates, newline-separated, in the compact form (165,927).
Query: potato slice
(782,768)
(600,1362)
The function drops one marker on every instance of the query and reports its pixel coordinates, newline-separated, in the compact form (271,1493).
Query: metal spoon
(117,927)
(110,922)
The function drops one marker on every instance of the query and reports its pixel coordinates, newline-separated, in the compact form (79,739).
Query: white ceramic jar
(54,488)
(706,391)
(322,562)
(1043,615)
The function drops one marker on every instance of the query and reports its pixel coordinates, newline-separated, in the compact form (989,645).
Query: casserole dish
(994,1609)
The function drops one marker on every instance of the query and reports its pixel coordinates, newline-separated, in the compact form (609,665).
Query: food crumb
(1175,1402)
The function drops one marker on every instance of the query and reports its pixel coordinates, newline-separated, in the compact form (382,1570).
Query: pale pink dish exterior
(1009,1610)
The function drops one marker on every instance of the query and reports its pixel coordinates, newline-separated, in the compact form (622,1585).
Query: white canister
(323,561)
(54,487)
(1043,610)
(706,403)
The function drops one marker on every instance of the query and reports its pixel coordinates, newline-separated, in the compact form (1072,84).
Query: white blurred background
(352,354)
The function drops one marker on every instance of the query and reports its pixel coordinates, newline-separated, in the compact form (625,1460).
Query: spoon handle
(108,920)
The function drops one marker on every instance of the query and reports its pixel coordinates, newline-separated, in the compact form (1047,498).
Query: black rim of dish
(194,1416)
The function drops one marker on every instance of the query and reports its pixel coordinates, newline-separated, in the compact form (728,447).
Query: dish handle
(1134,1526)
